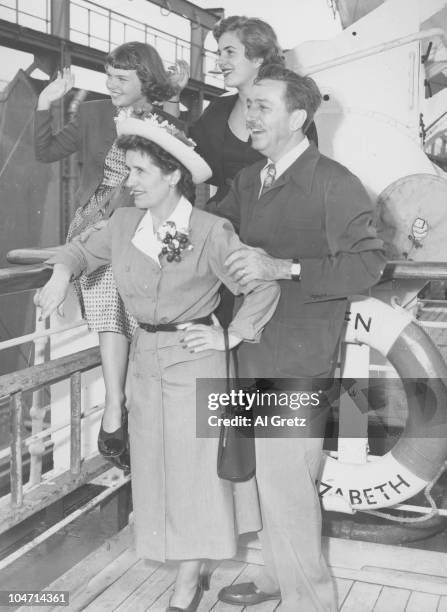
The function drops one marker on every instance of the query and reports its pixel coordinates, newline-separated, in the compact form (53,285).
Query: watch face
(295,271)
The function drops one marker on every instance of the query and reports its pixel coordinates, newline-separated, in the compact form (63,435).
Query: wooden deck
(368,578)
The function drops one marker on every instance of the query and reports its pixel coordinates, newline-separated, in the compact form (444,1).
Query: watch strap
(296,277)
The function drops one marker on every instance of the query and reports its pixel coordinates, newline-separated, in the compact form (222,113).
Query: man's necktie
(269,178)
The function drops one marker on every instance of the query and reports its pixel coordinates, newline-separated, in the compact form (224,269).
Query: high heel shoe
(122,461)
(203,585)
(112,444)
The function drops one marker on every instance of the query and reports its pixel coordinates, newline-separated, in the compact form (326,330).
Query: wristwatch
(295,270)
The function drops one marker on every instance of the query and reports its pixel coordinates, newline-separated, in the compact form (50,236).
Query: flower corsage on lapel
(174,241)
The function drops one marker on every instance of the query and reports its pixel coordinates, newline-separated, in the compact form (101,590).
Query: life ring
(422,448)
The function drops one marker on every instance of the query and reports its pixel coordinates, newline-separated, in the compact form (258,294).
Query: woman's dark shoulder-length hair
(257,36)
(147,63)
(163,160)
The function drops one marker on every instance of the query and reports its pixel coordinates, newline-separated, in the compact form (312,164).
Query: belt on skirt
(172,327)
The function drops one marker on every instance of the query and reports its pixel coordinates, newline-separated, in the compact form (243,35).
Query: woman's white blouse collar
(147,241)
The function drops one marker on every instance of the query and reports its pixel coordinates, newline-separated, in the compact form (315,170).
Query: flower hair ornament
(157,121)
(168,137)
(174,241)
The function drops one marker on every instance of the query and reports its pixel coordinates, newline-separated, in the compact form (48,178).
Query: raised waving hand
(55,90)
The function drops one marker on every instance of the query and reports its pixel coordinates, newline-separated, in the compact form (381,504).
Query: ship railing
(43,489)
(36,17)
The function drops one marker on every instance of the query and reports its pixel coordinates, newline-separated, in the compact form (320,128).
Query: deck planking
(391,598)
(362,597)
(425,602)
(113,579)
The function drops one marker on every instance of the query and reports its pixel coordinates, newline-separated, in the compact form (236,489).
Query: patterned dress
(101,304)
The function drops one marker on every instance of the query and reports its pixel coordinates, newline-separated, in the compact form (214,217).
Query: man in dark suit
(307,222)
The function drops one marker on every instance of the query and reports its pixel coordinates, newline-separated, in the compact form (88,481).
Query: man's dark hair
(301,92)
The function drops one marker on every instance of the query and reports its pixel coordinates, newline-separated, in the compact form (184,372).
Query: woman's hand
(56,89)
(54,292)
(200,338)
(179,75)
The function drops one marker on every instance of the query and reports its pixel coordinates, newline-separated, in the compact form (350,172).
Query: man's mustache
(253,125)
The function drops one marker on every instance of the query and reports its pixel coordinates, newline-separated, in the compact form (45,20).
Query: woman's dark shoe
(112,444)
(203,585)
(121,461)
(245,594)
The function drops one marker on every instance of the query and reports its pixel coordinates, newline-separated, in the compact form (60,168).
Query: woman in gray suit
(136,80)
(168,262)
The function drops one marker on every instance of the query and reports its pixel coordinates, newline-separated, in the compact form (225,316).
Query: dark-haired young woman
(136,80)
(244,45)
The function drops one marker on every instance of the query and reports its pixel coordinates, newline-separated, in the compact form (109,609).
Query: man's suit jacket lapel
(248,195)
(285,193)
(300,172)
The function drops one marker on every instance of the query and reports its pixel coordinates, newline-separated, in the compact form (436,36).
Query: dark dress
(222,150)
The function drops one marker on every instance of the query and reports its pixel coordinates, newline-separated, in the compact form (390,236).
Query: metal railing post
(197,54)
(75,429)
(38,409)
(16,450)
(48,16)
(109,12)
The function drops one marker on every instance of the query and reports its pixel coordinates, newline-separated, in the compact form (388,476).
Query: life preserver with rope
(421,451)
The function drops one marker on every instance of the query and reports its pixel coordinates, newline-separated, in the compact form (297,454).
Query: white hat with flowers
(170,138)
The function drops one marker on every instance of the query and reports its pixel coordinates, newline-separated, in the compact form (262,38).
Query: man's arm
(260,297)
(356,260)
